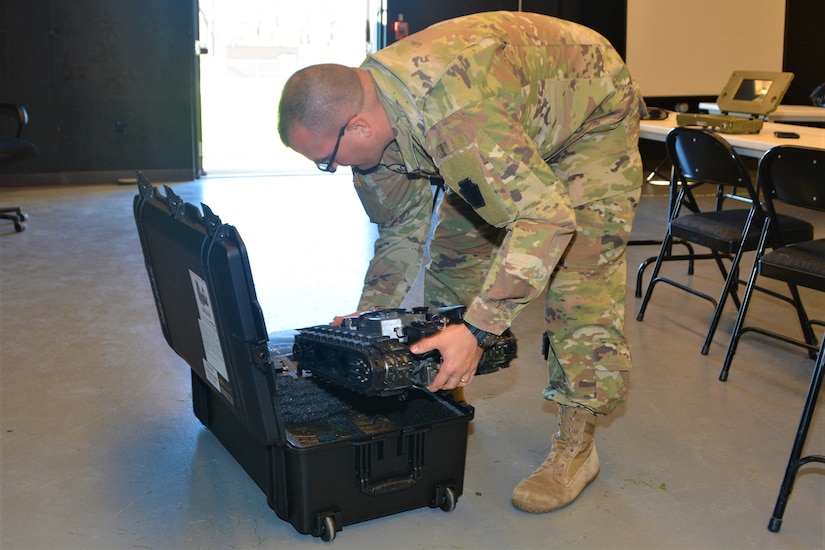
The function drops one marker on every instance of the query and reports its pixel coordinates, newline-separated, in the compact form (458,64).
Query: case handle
(414,444)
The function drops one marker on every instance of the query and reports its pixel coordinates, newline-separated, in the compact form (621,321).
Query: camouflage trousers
(589,358)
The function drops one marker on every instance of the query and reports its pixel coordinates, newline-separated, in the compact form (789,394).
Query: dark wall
(804,49)
(803,53)
(420,14)
(605,16)
(608,17)
(109,85)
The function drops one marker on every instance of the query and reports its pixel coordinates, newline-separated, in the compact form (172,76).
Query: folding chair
(794,176)
(702,158)
(796,460)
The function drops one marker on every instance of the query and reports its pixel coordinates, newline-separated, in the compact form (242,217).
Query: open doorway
(253,47)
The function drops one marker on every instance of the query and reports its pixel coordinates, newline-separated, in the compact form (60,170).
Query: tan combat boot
(571,465)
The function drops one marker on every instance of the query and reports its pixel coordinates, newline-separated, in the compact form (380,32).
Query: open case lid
(206,301)
(754,92)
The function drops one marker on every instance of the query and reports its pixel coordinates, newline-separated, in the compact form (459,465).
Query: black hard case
(355,459)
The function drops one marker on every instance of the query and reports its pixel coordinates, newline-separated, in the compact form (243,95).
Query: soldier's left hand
(460,355)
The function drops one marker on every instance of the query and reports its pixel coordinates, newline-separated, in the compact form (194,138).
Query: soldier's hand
(460,355)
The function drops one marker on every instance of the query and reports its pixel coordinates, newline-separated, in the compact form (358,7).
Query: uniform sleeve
(401,208)
(487,157)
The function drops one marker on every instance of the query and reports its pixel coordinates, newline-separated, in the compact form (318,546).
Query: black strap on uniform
(439,188)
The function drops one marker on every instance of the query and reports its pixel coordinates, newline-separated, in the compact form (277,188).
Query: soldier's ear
(360,125)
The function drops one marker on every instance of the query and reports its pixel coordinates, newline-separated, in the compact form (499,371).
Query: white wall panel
(690,47)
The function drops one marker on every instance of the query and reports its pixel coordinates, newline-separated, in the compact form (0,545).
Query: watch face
(488,340)
(485,339)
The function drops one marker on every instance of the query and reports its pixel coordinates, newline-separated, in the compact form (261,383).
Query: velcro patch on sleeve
(463,171)
(471,193)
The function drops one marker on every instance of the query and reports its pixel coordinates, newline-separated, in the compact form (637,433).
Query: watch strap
(485,339)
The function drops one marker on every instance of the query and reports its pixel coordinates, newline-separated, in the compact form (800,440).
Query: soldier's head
(331,115)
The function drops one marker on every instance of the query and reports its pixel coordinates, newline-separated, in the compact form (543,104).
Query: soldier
(531,124)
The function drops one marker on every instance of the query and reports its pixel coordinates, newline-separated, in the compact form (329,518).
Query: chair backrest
(12,147)
(702,156)
(16,114)
(794,175)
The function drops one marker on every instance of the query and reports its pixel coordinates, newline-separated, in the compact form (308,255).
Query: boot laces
(563,440)
(567,428)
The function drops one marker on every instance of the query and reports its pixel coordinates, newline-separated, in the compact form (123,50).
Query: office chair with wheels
(703,159)
(14,148)
(794,176)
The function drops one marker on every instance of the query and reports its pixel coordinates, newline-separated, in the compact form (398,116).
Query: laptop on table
(753,95)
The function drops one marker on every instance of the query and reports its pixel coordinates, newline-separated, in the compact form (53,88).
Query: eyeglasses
(329,164)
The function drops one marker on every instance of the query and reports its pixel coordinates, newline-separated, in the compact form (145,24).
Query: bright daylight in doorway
(253,47)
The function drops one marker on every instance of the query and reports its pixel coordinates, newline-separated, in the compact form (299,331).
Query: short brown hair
(320,98)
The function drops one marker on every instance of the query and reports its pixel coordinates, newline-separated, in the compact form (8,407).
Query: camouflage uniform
(532,122)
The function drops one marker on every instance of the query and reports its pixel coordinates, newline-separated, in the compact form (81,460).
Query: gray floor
(100,448)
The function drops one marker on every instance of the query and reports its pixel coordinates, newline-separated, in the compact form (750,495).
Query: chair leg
(15,215)
(16,210)
(740,320)
(718,257)
(805,323)
(673,206)
(731,283)
(796,460)
(640,273)
(642,266)
(667,244)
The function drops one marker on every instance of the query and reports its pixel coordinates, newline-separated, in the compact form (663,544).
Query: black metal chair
(796,460)
(701,158)
(794,176)
(14,148)
(644,264)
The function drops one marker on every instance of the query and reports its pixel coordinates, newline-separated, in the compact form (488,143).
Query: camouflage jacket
(487,102)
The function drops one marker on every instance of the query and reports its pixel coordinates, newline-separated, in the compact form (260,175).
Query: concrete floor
(100,448)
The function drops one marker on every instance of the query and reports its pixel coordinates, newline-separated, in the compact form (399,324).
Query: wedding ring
(463,380)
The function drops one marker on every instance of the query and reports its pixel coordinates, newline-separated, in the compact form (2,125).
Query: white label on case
(212,375)
(209,332)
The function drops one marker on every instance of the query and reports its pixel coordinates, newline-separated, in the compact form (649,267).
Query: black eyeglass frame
(329,164)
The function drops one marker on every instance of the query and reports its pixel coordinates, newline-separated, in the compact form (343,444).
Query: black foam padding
(333,412)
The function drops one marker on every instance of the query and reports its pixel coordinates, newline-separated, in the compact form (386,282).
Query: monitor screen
(754,92)
(752,89)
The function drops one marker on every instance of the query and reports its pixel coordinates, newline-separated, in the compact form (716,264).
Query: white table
(749,145)
(783,113)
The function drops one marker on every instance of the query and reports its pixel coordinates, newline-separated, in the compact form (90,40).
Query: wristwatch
(485,339)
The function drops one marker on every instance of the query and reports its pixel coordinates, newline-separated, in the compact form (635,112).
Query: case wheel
(449,501)
(328,529)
